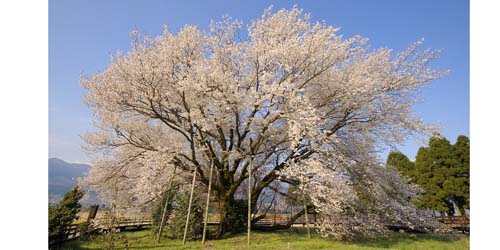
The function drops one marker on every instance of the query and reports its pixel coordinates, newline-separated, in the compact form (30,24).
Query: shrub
(111,237)
(178,221)
(238,214)
(158,211)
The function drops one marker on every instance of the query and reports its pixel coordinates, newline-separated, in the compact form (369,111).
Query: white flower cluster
(307,104)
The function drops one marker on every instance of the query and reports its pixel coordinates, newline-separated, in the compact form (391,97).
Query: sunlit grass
(290,240)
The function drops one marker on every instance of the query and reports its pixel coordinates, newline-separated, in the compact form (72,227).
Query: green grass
(287,240)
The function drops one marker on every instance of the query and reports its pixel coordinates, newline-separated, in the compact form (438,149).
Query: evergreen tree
(442,170)
(403,164)
(64,213)
(433,166)
(460,191)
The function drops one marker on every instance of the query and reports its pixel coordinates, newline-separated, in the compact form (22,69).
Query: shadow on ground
(295,238)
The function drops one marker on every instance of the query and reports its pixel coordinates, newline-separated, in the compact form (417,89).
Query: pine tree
(64,213)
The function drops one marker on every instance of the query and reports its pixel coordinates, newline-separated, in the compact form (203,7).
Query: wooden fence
(461,223)
(100,225)
(121,223)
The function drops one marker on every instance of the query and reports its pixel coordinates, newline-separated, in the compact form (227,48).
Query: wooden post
(164,215)
(208,203)
(249,219)
(189,207)
(92,212)
(306,216)
(274,208)
(315,216)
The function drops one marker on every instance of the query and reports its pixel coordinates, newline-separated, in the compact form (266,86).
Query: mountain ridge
(63,176)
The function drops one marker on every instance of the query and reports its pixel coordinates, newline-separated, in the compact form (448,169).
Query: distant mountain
(63,177)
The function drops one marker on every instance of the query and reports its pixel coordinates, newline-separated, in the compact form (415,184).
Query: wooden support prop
(92,212)
(274,208)
(208,203)
(164,215)
(189,207)
(305,214)
(249,219)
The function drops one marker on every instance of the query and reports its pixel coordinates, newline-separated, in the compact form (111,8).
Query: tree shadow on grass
(297,237)
(405,239)
(383,242)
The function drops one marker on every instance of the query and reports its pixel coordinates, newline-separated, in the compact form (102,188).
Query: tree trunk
(280,226)
(462,210)
(225,206)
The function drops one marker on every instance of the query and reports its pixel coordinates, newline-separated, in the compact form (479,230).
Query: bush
(178,221)
(112,238)
(84,229)
(112,241)
(158,211)
(237,215)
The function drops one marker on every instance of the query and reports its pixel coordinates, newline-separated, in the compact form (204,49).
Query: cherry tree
(291,98)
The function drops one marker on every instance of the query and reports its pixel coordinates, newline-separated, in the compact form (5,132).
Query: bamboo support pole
(164,214)
(189,207)
(249,219)
(305,214)
(208,203)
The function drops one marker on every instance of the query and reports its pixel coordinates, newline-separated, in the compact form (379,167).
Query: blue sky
(84,34)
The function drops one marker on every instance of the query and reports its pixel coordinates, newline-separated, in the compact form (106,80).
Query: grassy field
(289,240)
